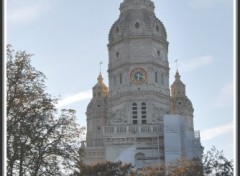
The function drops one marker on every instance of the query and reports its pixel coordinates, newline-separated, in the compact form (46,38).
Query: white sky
(69,39)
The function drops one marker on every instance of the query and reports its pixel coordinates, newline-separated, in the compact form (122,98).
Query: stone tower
(138,66)
(137,120)
(139,92)
(96,120)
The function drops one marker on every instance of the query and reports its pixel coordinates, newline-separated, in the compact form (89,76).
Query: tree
(39,141)
(213,163)
(180,167)
(106,169)
(184,167)
(153,170)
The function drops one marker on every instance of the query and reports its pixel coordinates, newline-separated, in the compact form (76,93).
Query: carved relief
(119,116)
(157,115)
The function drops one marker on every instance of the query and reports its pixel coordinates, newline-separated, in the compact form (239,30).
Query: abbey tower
(136,119)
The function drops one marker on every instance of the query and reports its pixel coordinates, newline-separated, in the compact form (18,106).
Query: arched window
(114,80)
(134,113)
(140,156)
(144,113)
(140,160)
(120,78)
(162,79)
(156,77)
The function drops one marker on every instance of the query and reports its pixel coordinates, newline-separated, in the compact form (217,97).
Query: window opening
(137,25)
(114,80)
(156,78)
(144,113)
(120,78)
(134,113)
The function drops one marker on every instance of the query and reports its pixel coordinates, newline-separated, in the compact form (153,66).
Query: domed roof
(137,4)
(177,79)
(100,84)
(137,18)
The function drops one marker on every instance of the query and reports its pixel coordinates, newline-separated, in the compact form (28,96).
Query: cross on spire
(100,65)
(176,61)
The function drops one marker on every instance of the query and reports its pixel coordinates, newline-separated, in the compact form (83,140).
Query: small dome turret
(180,104)
(178,88)
(100,89)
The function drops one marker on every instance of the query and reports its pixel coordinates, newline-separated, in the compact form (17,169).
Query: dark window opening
(134,122)
(120,78)
(162,79)
(134,113)
(156,78)
(137,25)
(144,121)
(144,113)
(114,80)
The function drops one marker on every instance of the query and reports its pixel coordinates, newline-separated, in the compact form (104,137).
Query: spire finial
(176,61)
(100,66)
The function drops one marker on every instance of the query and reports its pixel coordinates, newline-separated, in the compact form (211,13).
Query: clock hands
(139,76)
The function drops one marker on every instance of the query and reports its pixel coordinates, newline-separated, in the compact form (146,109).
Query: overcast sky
(69,38)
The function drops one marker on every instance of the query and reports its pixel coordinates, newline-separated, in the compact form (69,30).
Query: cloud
(193,64)
(225,97)
(204,3)
(216,131)
(74,98)
(22,13)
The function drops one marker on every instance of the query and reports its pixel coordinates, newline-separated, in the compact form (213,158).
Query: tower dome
(136,19)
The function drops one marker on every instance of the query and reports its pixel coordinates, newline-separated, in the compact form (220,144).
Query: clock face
(138,75)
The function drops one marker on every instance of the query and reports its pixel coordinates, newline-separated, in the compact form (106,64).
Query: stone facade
(128,122)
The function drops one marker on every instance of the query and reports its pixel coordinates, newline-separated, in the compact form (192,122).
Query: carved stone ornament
(157,115)
(119,116)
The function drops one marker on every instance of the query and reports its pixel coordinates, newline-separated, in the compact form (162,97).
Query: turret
(97,112)
(180,104)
